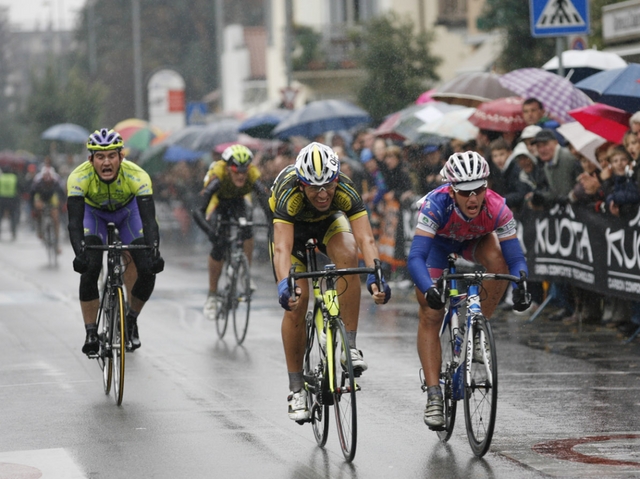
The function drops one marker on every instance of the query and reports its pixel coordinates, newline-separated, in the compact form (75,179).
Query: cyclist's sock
(434,391)
(351,338)
(91,326)
(296,381)
(132,314)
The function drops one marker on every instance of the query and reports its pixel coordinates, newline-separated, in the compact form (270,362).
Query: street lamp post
(137,58)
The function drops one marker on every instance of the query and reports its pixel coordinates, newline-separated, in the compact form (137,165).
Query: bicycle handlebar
(293,276)
(106,247)
(242,223)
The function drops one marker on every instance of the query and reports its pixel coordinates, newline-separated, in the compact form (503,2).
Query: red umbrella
(607,121)
(503,114)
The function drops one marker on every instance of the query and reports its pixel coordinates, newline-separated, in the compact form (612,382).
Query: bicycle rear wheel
(118,343)
(344,392)
(50,243)
(241,299)
(481,393)
(446,383)
(313,372)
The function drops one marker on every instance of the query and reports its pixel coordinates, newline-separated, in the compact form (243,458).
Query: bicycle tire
(344,392)
(118,344)
(241,298)
(446,383)
(224,300)
(481,393)
(313,372)
(105,359)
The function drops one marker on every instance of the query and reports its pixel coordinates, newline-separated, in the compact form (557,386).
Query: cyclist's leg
(89,295)
(243,209)
(38,206)
(129,225)
(55,216)
(487,252)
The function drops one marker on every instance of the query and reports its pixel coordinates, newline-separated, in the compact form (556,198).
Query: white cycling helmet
(466,171)
(317,164)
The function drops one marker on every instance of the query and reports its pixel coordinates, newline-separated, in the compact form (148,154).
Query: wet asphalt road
(196,406)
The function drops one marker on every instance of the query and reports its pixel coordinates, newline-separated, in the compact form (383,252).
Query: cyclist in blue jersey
(108,188)
(463,217)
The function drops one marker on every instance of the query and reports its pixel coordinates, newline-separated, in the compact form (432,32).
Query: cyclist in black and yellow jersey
(226,185)
(312,199)
(107,188)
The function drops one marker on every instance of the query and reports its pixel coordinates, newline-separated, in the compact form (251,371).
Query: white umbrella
(580,64)
(453,124)
(585,141)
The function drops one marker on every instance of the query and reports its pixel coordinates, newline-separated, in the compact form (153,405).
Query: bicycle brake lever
(378,272)
(292,283)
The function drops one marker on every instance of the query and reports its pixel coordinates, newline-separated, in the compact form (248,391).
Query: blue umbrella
(68,132)
(262,124)
(618,87)
(176,153)
(321,116)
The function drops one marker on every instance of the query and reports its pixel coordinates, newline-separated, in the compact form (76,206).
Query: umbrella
(320,116)
(557,94)
(68,132)
(584,63)
(404,124)
(503,114)
(454,124)
(183,137)
(607,121)
(175,153)
(137,134)
(584,141)
(471,89)
(262,124)
(426,97)
(213,134)
(619,87)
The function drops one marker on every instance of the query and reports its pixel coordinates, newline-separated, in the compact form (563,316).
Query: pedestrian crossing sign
(558,18)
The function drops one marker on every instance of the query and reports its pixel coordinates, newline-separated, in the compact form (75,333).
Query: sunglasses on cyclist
(329,187)
(467,193)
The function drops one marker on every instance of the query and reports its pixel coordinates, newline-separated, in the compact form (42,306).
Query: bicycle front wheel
(118,343)
(315,382)
(104,355)
(241,299)
(446,383)
(344,392)
(481,391)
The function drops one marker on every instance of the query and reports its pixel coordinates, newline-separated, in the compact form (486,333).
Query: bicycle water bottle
(457,342)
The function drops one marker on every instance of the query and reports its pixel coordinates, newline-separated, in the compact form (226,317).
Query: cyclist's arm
(148,216)
(75,207)
(282,247)
(417,260)
(513,256)
(364,238)
(199,213)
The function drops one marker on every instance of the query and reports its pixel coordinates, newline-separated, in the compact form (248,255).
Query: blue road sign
(558,18)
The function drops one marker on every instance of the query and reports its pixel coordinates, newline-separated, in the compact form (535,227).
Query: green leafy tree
(398,63)
(53,101)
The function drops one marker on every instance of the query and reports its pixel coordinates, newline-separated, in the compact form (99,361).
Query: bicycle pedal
(357,372)
(303,421)
(437,428)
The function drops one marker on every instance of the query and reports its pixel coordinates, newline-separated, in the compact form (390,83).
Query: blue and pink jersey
(453,232)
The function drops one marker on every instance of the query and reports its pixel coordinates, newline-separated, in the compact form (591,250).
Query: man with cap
(527,136)
(560,167)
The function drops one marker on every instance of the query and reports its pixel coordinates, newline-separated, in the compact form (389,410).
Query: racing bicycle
(111,315)
(235,296)
(469,368)
(330,379)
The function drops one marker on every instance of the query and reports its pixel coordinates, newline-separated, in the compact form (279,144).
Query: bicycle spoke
(313,371)
(104,357)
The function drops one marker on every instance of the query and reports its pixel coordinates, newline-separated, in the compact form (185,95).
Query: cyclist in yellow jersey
(312,199)
(226,185)
(107,188)
(47,190)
